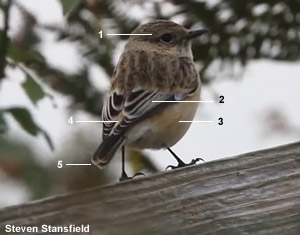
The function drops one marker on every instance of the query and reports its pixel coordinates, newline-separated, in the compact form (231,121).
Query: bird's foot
(182,164)
(125,177)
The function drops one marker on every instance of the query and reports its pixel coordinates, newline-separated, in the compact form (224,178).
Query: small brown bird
(157,67)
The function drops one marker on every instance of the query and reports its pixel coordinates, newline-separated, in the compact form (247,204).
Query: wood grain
(254,193)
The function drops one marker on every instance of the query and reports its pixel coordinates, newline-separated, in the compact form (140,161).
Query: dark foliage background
(239,31)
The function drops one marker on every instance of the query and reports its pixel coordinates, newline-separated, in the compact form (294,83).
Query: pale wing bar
(128,110)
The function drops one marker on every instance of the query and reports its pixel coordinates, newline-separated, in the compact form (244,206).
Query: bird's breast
(163,128)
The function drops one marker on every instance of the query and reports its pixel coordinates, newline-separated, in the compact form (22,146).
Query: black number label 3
(220,121)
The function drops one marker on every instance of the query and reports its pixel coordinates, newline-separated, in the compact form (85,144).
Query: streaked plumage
(150,70)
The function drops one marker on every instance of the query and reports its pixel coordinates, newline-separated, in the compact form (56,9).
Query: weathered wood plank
(254,193)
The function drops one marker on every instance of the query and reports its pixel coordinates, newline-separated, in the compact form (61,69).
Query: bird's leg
(180,162)
(124,176)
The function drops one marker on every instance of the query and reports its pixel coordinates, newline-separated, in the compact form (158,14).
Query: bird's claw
(193,162)
(170,166)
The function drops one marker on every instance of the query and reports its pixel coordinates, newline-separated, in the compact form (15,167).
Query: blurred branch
(4,43)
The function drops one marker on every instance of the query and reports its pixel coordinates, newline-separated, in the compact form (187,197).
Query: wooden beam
(254,193)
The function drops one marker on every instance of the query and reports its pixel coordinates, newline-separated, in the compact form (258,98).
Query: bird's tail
(107,150)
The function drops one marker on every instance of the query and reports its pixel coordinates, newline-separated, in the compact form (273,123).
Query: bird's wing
(126,111)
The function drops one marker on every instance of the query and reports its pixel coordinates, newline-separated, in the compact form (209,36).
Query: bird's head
(166,37)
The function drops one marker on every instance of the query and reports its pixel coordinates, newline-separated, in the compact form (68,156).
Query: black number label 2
(221,99)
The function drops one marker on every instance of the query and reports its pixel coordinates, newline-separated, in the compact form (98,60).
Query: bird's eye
(166,38)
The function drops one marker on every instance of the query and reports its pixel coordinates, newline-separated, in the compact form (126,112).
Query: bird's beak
(195,33)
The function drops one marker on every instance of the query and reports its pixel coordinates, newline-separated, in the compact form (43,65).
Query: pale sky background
(265,86)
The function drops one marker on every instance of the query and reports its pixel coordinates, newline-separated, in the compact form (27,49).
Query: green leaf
(139,161)
(67,5)
(3,125)
(23,117)
(24,55)
(33,90)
